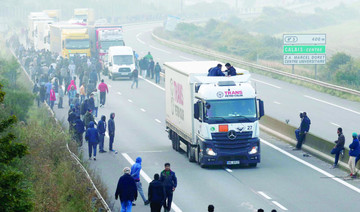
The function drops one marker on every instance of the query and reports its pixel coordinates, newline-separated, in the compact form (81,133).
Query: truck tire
(252,165)
(176,142)
(190,153)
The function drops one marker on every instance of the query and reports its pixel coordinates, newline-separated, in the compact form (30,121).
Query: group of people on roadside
(217,72)
(149,69)
(160,191)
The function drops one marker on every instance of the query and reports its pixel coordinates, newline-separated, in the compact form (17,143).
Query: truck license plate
(124,73)
(235,162)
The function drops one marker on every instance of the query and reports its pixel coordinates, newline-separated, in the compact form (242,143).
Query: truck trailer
(69,40)
(215,120)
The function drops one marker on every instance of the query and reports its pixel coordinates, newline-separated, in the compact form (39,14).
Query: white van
(121,62)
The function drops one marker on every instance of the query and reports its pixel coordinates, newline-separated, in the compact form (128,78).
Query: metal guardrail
(73,155)
(218,56)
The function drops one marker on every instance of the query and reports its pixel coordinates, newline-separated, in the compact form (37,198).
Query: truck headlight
(254,150)
(210,151)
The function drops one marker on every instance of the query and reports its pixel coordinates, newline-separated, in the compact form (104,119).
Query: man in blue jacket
(354,151)
(101,129)
(168,178)
(126,190)
(135,173)
(231,71)
(79,130)
(303,130)
(92,138)
(216,71)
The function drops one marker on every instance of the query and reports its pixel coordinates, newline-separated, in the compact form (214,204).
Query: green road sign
(304,50)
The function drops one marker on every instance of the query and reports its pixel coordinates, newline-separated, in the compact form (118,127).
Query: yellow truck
(69,40)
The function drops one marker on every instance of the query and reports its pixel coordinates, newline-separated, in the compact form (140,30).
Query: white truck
(215,120)
(120,62)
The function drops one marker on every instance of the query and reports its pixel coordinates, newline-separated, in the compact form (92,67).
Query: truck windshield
(81,17)
(77,44)
(123,60)
(232,110)
(106,44)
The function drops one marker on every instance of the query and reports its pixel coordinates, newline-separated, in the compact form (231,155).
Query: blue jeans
(82,98)
(140,190)
(126,206)
(101,142)
(111,141)
(336,151)
(300,138)
(92,146)
(95,111)
(157,78)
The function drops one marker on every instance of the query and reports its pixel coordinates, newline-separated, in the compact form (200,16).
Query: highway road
(284,180)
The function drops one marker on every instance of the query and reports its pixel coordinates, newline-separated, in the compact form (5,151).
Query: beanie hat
(354,134)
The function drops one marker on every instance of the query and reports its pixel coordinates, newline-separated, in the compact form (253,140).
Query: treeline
(36,170)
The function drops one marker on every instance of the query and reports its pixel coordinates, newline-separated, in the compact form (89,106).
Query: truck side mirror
(196,110)
(261,108)
(110,64)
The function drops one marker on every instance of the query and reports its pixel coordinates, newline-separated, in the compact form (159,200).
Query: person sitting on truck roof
(231,71)
(216,71)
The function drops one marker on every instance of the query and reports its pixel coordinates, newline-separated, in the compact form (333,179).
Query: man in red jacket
(103,88)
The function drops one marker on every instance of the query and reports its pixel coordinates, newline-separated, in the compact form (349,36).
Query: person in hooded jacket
(88,117)
(93,138)
(111,128)
(79,129)
(71,94)
(156,194)
(102,129)
(126,190)
(52,98)
(354,151)
(135,173)
(72,83)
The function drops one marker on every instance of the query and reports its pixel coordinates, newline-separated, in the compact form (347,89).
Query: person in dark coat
(92,138)
(157,71)
(340,142)
(151,68)
(354,151)
(126,190)
(102,129)
(216,71)
(135,77)
(156,194)
(231,71)
(111,128)
(79,130)
(303,130)
(93,77)
(168,178)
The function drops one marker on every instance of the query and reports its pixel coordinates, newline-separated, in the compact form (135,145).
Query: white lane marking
(148,179)
(264,195)
(338,106)
(158,121)
(186,58)
(275,86)
(129,100)
(138,39)
(143,110)
(335,124)
(154,84)
(228,170)
(279,205)
(109,86)
(162,50)
(354,188)
(119,93)
(278,103)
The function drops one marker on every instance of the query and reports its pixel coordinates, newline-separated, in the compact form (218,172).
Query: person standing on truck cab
(216,71)
(168,178)
(230,70)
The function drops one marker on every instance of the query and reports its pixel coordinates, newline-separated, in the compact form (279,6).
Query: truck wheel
(252,165)
(190,153)
(176,142)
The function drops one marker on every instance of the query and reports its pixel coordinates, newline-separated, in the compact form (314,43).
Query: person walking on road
(303,130)
(157,71)
(102,130)
(82,93)
(52,98)
(71,94)
(168,178)
(96,102)
(88,117)
(151,68)
(135,77)
(354,151)
(103,88)
(339,147)
(92,138)
(61,97)
(111,128)
(126,190)
(79,129)
(135,173)
(48,87)
(36,91)
(156,194)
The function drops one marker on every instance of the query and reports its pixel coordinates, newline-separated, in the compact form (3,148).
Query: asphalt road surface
(284,180)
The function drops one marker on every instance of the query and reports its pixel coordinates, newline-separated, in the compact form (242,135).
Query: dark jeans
(101,142)
(47,98)
(135,81)
(157,78)
(168,198)
(300,138)
(155,206)
(60,104)
(92,146)
(337,152)
(102,98)
(111,141)
(52,104)
(79,138)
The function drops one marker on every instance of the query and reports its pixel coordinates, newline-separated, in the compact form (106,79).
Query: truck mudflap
(248,153)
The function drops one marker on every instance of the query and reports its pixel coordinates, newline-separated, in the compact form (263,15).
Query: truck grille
(221,141)
(122,70)
(223,136)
